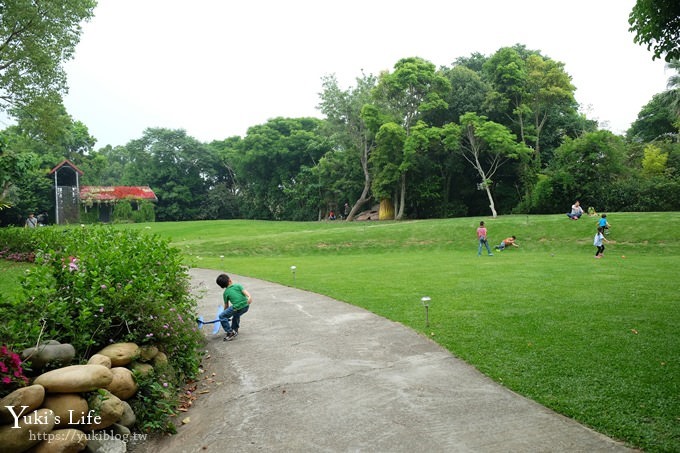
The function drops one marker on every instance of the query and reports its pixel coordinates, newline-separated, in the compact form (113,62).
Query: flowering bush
(11,372)
(97,285)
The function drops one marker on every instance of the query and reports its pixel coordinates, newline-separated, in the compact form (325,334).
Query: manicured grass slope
(596,340)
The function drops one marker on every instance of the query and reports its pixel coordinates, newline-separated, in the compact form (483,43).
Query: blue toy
(216,321)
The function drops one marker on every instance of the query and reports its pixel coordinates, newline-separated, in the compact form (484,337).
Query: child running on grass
(236,303)
(604,224)
(598,241)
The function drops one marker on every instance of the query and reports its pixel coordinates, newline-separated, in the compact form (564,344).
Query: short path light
(426,303)
(292,269)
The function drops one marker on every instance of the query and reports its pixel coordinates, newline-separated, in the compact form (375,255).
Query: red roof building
(113,194)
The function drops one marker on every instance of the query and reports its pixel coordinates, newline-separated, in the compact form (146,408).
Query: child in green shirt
(236,303)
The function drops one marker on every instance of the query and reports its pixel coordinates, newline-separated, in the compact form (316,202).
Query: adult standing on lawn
(31,221)
(481,236)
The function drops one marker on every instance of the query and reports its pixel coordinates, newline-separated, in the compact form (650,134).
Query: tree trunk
(480,170)
(402,198)
(363,199)
(491,203)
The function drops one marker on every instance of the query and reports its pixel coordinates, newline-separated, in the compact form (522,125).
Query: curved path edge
(311,374)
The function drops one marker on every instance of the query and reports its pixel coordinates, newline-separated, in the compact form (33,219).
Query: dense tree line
(486,135)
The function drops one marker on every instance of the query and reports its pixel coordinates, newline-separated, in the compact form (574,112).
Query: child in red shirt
(481,236)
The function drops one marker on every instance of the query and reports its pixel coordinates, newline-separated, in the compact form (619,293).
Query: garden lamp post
(426,303)
(292,269)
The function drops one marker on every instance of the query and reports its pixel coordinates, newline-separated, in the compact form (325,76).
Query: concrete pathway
(312,374)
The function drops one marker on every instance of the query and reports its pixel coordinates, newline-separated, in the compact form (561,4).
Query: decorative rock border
(67,406)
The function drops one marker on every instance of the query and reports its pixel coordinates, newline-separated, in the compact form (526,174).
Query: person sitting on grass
(506,243)
(576,211)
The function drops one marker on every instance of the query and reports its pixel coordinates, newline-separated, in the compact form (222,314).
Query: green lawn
(596,340)
(11,273)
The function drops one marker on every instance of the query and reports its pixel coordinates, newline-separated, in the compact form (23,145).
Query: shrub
(11,371)
(157,397)
(122,212)
(95,285)
(145,213)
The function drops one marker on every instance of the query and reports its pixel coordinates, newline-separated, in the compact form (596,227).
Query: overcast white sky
(215,68)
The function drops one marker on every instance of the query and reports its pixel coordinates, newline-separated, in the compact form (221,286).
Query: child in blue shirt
(602,223)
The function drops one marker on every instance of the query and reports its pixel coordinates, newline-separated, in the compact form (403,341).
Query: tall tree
(434,164)
(270,159)
(35,38)
(349,130)
(654,121)
(468,93)
(387,160)
(46,123)
(174,165)
(657,24)
(487,146)
(585,169)
(223,197)
(414,88)
(671,97)
(527,88)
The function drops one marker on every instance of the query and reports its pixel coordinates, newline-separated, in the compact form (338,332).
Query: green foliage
(644,195)
(534,91)
(178,167)
(387,158)
(93,286)
(89,216)
(22,182)
(37,37)
(654,161)
(655,23)
(156,401)
(122,212)
(654,121)
(468,93)
(585,168)
(273,155)
(144,213)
